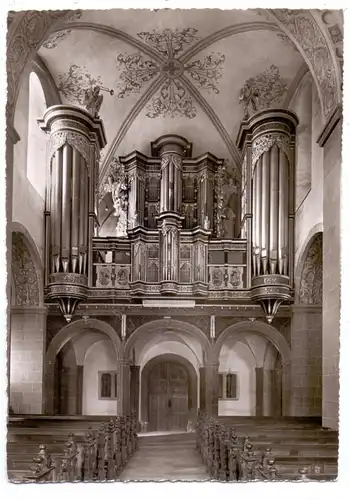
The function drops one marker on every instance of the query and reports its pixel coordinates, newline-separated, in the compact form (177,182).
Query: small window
(107,385)
(228,386)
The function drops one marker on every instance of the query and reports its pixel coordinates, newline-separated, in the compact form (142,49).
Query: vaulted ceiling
(172,71)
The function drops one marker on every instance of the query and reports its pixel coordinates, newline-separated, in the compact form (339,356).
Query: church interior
(173,244)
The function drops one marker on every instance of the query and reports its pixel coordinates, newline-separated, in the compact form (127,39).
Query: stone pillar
(28,339)
(76,139)
(11,139)
(330,140)
(276,393)
(135,390)
(123,387)
(209,389)
(259,384)
(79,395)
(267,142)
(306,361)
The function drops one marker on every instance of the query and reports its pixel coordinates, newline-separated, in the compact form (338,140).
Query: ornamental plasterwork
(311,276)
(335,33)
(310,38)
(172,99)
(75,140)
(22,43)
(53,41)
(24,274)
(75,82)
(264,143)
(263,91)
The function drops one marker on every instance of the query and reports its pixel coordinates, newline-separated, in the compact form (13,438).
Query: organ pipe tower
(76,138)
(267,141)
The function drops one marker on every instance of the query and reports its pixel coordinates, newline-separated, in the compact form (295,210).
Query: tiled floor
(161,457)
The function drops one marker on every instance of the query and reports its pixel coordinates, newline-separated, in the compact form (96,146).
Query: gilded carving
(25,279)
(77,141)
(264,143)
(310,291)
(117,185)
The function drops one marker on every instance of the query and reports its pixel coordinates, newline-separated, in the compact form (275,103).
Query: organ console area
(167,237)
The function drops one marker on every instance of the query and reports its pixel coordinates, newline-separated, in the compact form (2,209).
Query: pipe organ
(169,213)
(267,141)
(76,139)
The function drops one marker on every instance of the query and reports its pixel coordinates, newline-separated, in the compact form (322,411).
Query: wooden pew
(95,455)
(232,458)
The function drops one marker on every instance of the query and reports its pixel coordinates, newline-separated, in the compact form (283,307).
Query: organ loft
(173,237)
(168,236)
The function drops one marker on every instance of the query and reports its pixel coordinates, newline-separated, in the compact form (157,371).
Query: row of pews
(289,449)
(99,453)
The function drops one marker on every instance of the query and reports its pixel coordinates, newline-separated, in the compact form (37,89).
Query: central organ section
(168,225)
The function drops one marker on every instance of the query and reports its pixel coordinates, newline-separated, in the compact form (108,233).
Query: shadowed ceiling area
(172,72)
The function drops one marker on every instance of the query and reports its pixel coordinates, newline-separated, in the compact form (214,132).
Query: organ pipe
(76,138)
(270,138)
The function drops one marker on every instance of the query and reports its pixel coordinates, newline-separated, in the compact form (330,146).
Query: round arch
(168,325)
(276,339)
(29,254)
(163,358)
(67,333)
(303,255)
(268,331)
(71,330)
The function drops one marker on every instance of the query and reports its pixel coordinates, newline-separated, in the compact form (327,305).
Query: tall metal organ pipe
(76,139)
(268,139)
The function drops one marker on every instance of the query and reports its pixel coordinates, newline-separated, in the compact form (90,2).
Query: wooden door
(168,397)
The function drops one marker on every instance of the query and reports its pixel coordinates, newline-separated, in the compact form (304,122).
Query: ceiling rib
(135,110)
(235,29)
(215,120)
(120,35)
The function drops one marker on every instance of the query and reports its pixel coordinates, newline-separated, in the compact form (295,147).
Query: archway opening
(82,370)
(258,356)
(249,377)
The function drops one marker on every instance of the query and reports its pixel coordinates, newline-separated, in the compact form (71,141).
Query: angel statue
(249,95)
(117,185)
(93,100)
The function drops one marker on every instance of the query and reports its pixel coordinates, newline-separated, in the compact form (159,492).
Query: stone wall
(331,278)
(28,331)
(306,363)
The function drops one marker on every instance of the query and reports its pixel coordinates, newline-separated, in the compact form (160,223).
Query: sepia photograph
(173,193)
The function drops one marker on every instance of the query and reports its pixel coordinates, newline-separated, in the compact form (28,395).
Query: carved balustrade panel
(226,277)
(112,276)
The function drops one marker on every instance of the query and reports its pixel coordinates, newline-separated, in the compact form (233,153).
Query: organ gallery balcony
(218,274)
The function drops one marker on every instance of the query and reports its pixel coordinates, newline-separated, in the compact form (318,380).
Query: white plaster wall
(100,356)
(310,212)
(27,203)
(36,152)
(239,359)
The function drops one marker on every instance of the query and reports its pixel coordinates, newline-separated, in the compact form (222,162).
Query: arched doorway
(169,393)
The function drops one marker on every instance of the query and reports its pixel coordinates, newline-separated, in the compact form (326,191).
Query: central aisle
(165,456)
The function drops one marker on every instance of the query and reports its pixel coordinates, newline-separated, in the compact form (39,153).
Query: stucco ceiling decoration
(307,35)
(74,84)
(58,36)
(263,91)
(26,33)
(173,98)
